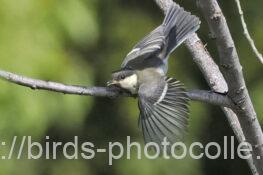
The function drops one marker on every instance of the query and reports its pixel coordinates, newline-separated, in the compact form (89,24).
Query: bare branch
(234,123)
(213,77)
(210,97)
(59,87)
(198,95)
(206,64)
(233,74)
(217,82)
(246,33)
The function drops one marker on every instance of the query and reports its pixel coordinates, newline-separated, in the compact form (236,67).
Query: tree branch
(233,74)
(246,33)
(201,57)
(217,82)
(213,77)
(206,64)
(210,97)
(197,95)
(234,123)
(58,87)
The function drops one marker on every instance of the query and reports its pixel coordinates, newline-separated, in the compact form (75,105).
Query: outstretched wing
(149,45)
(163,111)
(176,27)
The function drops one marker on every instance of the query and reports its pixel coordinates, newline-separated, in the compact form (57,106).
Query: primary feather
(163,111)
(154,48)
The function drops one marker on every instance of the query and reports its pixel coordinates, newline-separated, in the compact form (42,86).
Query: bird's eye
(122,77)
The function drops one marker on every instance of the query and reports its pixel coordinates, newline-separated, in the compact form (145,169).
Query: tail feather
(178,25)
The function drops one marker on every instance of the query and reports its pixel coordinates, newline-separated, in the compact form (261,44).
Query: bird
(162,101)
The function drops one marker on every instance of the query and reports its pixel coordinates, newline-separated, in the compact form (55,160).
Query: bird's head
(126,79)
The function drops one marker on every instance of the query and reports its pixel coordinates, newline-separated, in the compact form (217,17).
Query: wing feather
(149,45)
(167,117)
(176,27)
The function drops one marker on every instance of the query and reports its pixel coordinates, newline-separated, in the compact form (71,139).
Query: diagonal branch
(213,77)
(206,64)
(217,82)
(198,95)
(233,74)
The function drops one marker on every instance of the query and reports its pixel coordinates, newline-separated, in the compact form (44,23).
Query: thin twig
(247,34)
(112,92)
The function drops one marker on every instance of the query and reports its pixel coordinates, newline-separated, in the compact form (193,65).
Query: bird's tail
(178,25)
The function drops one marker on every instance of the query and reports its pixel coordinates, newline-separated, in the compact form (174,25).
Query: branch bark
(213,77)
(216,82)
(233,74)
(197,95)
(206,64)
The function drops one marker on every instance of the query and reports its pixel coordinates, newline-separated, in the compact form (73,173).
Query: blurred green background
(82,42)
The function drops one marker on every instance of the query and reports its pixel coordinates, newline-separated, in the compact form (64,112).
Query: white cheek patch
(129,82)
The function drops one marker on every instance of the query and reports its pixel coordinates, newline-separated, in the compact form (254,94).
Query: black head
(121,74)
(125,78)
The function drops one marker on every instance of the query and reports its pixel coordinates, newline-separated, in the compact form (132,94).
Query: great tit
(163,102)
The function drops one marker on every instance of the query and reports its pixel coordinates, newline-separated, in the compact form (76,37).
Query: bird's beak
(112,82)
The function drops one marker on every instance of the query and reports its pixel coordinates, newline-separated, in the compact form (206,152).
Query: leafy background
(82,42)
